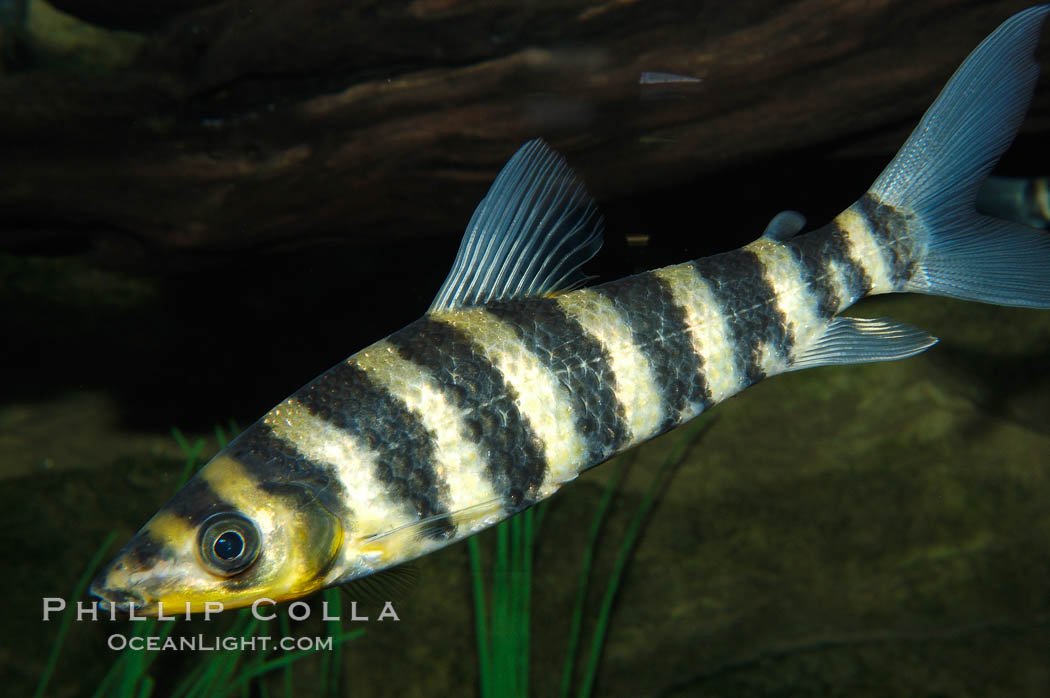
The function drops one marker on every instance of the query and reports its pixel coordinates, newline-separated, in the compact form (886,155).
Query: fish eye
(228,543)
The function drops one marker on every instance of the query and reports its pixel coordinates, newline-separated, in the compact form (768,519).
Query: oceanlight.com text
(213,643)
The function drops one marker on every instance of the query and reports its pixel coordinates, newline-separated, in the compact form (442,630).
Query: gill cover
(229,537)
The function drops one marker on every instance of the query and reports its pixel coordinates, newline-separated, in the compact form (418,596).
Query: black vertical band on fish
(579,362)
(276,460)
(345,397)
(748,302)
(659,328)
(821,253)
(891,228)
(206,502)
(516,461)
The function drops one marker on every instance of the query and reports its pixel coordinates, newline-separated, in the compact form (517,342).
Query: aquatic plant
(502,605)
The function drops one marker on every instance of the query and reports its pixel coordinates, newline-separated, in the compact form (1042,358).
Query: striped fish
(511,385)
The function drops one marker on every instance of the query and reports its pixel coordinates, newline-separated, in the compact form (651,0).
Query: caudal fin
(936,175)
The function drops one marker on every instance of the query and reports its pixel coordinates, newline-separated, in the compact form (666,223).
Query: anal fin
(851,340)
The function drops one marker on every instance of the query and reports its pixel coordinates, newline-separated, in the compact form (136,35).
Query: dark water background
(867,530)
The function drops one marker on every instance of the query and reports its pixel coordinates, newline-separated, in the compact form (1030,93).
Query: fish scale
(580,364)
(832,276)
(659,329)
(515,455)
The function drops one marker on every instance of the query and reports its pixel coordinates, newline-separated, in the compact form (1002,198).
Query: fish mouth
(124,601)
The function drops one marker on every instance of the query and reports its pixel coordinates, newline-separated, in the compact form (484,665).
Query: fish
(651,77)
(519,376)
(1025,200)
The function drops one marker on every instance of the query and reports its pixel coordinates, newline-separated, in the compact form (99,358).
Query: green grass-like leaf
(673,459)
(502,605)
(503,626)
(597,522)
(67,615)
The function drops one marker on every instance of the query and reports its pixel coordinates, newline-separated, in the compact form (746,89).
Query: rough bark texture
(234,126)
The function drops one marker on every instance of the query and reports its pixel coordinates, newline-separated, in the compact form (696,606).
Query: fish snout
(120,599)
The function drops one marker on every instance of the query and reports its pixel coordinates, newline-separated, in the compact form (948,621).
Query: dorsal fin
(529,236)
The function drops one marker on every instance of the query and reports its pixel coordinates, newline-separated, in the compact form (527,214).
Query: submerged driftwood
(220,128)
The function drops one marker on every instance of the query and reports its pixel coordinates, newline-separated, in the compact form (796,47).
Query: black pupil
(229,545)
